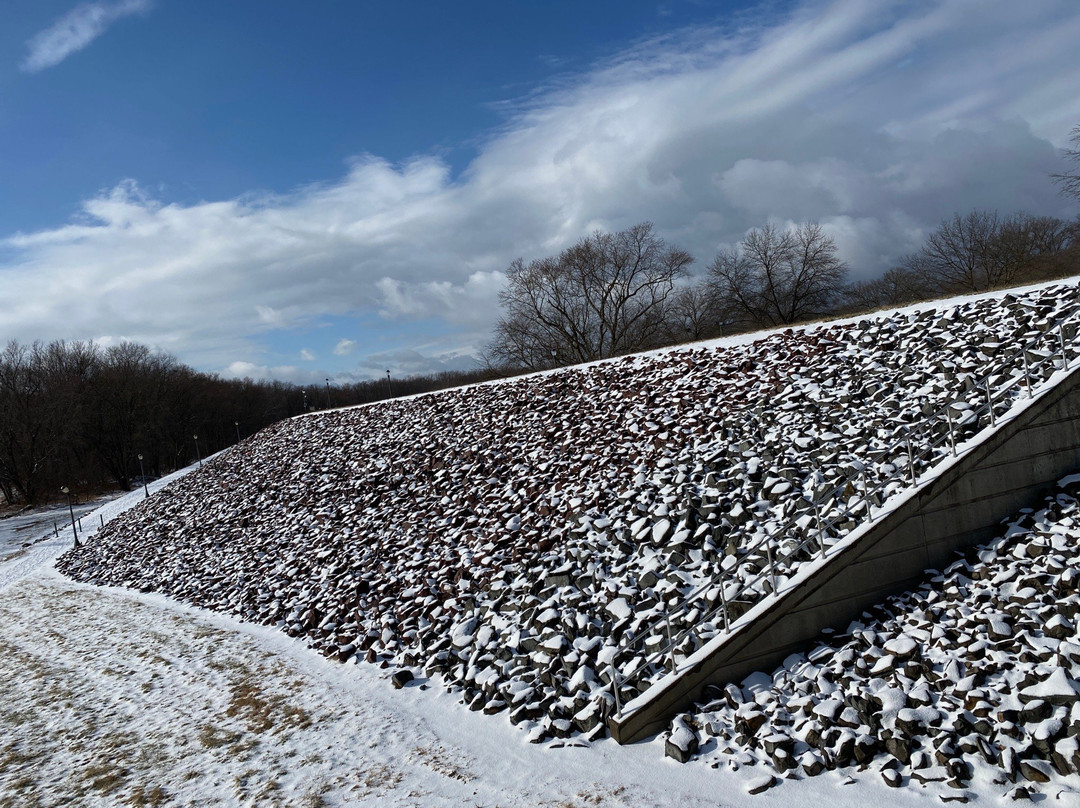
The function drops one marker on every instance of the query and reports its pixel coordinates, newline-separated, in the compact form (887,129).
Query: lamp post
(305,400)
(237,425)
(389,387)
(142,473)
(74,531)
(198,454)
(554,357)
(328,405)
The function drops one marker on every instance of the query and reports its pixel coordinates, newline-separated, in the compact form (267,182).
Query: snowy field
(111,698)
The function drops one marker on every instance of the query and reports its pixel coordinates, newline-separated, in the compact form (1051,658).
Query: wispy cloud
(75,30)
(875,119)
(344,347)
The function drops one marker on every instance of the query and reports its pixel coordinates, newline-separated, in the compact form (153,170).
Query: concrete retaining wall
(1013,466)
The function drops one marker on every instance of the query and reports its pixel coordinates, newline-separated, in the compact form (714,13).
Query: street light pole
(389,387)
(142,472)
(237,425)
(328,405)
(305,400)
(74,531)
(198,454)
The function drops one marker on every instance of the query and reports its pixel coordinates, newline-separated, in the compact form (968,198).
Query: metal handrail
(721,580)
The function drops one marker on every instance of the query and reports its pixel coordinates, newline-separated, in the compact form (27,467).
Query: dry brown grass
(262,713)
(436,759)
(152,797)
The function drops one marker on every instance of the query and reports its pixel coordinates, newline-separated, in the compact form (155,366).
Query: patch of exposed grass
(435,758)
(381,777)
(212,737)
(104,778)
(152,797)
(262,713)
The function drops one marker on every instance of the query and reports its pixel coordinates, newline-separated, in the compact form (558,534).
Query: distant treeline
(78,415)
(617,293)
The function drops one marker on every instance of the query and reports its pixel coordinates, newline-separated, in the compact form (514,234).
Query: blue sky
(295,190)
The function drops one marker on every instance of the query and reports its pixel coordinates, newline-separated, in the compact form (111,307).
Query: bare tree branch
(605,295)
(775,277)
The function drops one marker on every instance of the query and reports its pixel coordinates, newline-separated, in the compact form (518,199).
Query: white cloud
(270,316)
(75,30)
(875,119)
(251,370)
(405,362)
(307,355)
(344,347)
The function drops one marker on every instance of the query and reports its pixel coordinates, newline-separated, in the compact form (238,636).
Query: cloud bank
(75,30)
(876,119)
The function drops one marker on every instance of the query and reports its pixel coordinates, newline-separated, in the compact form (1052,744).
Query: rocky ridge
(510,537)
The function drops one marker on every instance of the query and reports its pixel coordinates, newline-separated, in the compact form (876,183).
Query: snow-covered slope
(971,677)
(512,537)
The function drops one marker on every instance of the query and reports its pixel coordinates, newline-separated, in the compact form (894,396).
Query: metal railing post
(952,437)
(723,606)
(911,460)
(772,565)
(989,401)
(866,494)
(670,644)
(820,527)
(1027,371)
(1061,341)
(615,688)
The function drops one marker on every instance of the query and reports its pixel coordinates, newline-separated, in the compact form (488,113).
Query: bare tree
(774,277)
(898,286)
(1070,180)
(694,313)
(957,256)
(604,296)
(982,251)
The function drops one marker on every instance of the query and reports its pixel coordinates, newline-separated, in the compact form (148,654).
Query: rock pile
(976,670)
(509,537)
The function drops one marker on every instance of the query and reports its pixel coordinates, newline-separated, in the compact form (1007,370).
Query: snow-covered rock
(971,697)
(514,532)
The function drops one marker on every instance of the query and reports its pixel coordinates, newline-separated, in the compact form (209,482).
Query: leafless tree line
(79,415)
(976,252)
(614,293)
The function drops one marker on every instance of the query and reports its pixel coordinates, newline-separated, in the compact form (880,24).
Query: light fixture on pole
(198,454)
(74,531)
(305,400)
(142,473)
(328,405)
(237,425)
(389,387)
(554,357)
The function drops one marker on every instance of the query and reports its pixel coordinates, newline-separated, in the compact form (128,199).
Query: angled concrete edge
(957,505)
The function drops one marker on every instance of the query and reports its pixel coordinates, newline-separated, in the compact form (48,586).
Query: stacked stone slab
(977,669)
(509,537)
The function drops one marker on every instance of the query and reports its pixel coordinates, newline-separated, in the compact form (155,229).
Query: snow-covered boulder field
(511,538)
(973,676)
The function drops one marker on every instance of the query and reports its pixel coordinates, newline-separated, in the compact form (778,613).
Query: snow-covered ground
(112,697)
